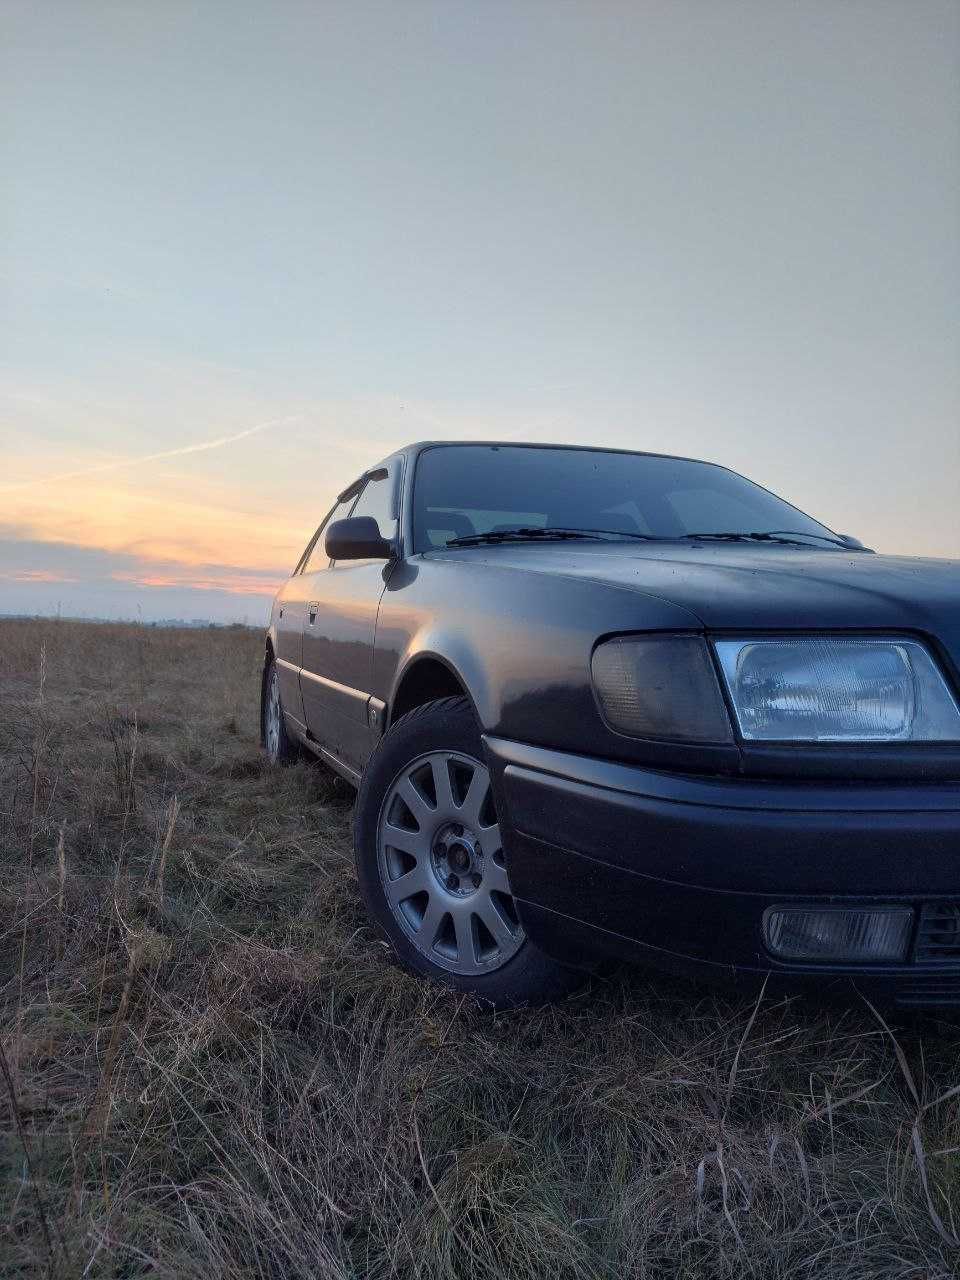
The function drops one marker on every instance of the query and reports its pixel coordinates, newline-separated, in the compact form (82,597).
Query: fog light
(837,933)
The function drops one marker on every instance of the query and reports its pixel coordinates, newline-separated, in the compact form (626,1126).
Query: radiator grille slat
(929,991)
(938,933)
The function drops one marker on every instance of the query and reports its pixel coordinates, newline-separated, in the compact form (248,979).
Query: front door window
(317,557)
(376,500)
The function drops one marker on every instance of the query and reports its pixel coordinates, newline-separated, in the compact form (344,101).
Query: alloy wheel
(272,714)
(441,864)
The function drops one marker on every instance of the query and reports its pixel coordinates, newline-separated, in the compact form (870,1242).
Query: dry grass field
(211,1068)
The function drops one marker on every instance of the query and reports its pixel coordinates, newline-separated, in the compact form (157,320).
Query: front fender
(520,642)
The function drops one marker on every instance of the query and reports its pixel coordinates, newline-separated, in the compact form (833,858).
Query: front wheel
(431,866)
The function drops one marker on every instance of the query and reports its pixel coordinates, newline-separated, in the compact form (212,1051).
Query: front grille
(934,990)
(938,933)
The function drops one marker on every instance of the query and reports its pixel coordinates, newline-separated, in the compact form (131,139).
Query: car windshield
(461,491)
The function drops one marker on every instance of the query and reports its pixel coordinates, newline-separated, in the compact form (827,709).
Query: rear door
(339,626)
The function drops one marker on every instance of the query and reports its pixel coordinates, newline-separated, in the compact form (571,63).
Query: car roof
(419,445)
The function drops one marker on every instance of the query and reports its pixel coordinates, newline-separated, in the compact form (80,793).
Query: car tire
(430,863)
(280,747)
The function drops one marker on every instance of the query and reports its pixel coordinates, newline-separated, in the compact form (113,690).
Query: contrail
(200,447)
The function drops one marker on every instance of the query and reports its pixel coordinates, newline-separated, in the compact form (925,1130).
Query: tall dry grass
(211,1067)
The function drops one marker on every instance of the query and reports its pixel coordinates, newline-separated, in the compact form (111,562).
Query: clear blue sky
(727,228)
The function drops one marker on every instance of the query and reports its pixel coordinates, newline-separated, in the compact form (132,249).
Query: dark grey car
(609,703)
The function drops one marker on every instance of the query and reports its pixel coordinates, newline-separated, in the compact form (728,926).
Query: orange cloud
(36,575)
(235,584)
(177,520)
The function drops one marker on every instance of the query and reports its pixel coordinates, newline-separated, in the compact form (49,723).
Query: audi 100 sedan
(603,703)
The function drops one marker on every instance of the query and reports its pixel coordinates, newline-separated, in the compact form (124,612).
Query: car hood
(739,585)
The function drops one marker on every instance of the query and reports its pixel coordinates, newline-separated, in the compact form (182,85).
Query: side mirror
(356,538)
(851,541)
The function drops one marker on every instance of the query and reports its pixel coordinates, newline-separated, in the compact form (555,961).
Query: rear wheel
(281,748)
(431,866)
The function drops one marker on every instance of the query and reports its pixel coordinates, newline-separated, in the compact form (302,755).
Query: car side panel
(337,660)
(286,625)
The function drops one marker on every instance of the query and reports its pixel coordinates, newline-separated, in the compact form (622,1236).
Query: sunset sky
(246,249)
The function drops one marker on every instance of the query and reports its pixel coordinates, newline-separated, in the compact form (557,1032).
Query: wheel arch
(427,677)
(268,655)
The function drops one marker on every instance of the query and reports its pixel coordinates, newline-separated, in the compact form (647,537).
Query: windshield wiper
(559,533)
(786,537)
(550,533)
(822,537)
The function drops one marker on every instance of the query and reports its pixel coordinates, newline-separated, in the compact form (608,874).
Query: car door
(290,609)
(339,626)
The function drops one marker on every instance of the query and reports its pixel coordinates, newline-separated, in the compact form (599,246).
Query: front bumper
(677,871)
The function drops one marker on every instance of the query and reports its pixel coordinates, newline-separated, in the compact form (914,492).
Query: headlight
(661,687)
(835,689)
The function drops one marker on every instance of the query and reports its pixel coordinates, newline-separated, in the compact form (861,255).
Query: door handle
(312,608)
